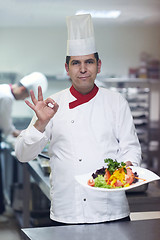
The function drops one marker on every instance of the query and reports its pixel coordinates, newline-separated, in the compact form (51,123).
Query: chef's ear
(67,68)
(99,66)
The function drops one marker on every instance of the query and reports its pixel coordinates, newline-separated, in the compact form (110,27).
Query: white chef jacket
(80,139)
(6,102)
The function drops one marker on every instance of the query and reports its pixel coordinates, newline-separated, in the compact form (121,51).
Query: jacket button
(80,160)
(72,121)
(84,199)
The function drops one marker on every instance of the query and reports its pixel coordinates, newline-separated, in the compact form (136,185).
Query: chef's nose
(83,68)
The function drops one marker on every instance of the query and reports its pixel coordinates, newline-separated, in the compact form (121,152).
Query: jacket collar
(82,98)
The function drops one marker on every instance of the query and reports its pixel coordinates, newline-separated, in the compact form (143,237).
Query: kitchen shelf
(138,94)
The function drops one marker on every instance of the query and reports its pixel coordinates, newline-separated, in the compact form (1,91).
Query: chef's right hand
(44,109)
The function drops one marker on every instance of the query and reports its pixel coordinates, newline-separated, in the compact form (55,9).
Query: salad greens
(100,182)
(112,165)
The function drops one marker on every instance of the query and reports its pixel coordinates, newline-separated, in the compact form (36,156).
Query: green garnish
(112,165)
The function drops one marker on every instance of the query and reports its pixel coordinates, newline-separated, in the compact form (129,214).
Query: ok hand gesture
(44,109)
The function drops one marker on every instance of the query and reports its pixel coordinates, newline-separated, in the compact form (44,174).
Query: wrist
(40,126)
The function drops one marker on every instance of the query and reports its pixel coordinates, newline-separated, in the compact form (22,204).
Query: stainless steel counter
(42,180)
(139,230)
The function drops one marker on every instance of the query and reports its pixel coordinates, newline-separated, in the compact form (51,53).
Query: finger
(50,102)
(56,106)
(34,100)
(128,163)
(30,105)
(50,105)
(40,95)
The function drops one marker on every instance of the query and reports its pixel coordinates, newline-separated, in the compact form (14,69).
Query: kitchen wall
(24,50)
(28,49)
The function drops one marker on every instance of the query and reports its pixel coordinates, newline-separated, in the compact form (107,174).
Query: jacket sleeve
(30,143)
(6,116)
(130,149)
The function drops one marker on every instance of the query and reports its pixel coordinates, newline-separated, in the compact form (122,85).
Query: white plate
(142,173)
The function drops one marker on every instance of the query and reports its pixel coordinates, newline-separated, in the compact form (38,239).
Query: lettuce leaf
(100,182)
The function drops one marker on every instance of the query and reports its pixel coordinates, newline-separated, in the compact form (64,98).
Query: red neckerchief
(82,98)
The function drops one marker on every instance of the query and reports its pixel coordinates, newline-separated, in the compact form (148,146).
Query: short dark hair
(19,84)
(95,54)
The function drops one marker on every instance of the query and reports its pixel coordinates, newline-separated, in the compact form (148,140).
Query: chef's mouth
(83,77)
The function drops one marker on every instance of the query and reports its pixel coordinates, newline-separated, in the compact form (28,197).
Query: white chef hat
(81,40)
(33,80)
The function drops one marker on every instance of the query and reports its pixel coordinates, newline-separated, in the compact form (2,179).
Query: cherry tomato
(91,182)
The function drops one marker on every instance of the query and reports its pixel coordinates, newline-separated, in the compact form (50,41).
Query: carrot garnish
(140,178)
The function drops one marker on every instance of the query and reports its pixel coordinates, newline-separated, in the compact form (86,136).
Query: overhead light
(101,14)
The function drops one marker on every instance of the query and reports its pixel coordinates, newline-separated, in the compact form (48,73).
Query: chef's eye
(90,61)
(75,62)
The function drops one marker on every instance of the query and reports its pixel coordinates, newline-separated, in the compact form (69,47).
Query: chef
(9,93)
(84,124)
(17,91)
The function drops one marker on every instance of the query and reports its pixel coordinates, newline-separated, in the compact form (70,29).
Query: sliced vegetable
(129,177)
(107,175)
(140,178)
(117,179)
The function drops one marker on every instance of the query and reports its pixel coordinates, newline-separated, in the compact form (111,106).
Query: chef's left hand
(128,163)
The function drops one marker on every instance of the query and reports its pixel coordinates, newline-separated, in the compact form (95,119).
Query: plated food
(115,175)
(120,178)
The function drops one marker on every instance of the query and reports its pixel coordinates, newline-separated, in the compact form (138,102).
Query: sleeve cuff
(33,135)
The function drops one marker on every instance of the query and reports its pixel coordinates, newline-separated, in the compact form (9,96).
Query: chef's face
(83,71)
